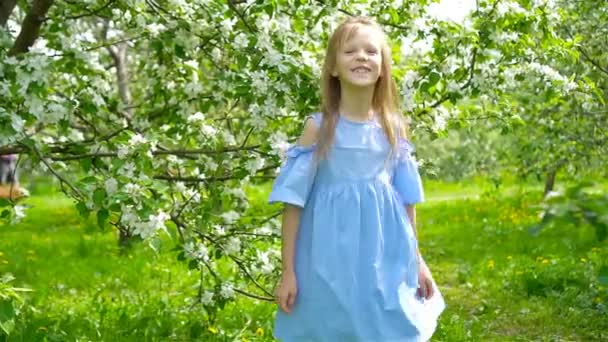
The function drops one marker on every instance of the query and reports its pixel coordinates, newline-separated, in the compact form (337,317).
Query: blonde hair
(385,98)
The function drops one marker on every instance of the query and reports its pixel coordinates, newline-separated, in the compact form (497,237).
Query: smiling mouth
(361,70)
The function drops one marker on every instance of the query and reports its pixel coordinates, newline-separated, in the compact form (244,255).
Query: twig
(61,178)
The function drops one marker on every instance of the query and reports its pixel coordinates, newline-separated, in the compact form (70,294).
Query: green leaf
(102,217)
(85,164)
(5,213)
(603,275)
(434,77)
(82,209)
(179,51)
(89,180)
(99,195)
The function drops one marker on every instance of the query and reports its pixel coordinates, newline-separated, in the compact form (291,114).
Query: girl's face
(359,59)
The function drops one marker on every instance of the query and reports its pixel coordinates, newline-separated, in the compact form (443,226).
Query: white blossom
(132,189)
(158,221)
(155,28)
(137,139)
(216,54)
(19,212)
(180,187)
(144,229)
(267,267)
(227,24)
(207,298)
(252,165)
(196,251)
(227,290)
(233,246)
(230,216)
(241,42)
(111,185)
(197,117)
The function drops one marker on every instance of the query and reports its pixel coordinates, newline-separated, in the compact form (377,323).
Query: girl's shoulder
(316,118)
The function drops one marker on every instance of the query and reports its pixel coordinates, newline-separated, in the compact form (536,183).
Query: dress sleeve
(406,179)
(297,175)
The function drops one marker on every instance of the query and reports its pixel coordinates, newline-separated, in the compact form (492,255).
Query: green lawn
(500,283)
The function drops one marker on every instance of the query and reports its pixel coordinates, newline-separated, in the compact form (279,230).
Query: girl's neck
(356,102)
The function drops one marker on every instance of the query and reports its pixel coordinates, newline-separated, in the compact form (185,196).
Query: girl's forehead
(362,34)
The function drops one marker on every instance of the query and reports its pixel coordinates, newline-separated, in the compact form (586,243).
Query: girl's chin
(360,83)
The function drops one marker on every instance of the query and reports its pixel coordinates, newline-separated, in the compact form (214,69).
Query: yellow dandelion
(545,261)
(244,339)
(509,257)
(212,330)
(583,260)
(519,273)
(491,264)
(259,332)
(5,262)
(598,300)
(1,254)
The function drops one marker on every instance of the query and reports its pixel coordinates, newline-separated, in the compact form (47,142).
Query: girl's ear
(334,73)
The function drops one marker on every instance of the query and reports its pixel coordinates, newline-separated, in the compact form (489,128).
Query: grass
(500,282)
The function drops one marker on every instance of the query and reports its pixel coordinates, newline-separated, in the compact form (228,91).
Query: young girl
(351,266)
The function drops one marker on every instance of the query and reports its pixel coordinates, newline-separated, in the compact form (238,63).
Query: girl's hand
(285,294)
(425,285)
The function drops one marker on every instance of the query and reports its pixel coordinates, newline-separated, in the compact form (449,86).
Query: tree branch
(61,178)
(88,13)
(6,8)
(61,149)
(30,28)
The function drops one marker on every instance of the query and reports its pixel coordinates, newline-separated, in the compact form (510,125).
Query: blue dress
(355,258)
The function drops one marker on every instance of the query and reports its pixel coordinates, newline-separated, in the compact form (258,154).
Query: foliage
(499,281)
(578,205)
(154,117)
(11,304)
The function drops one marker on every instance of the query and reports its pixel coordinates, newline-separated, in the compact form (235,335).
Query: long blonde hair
(385,98)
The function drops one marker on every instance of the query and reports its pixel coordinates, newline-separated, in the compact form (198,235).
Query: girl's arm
(291,213)
(291,221)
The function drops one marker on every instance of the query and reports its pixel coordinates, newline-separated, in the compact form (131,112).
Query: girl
(351,266)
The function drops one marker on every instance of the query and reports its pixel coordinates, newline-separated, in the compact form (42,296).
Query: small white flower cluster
(233,246)
(279,144)
(227,290)
(145,229)
(553,75)
(509,7)
(230,217)
(408,91)
(207,298)
(254,164)
(196,251)
(441,116)
(137,142)
(266,265)
(199,121)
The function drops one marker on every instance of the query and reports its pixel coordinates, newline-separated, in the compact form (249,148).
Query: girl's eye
(373,52)
(348,52)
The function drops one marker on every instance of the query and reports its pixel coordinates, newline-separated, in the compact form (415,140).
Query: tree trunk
(119,55)
(6,8)
(30,28)
(549,182)
(124,239)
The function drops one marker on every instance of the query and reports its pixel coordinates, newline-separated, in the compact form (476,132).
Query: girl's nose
(361,56)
